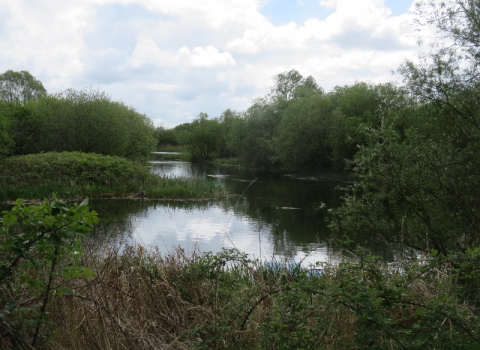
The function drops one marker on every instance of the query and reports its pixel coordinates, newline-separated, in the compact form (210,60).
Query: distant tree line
(297,126)
(87,120)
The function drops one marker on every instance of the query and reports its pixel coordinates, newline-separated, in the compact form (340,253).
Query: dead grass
(142,299)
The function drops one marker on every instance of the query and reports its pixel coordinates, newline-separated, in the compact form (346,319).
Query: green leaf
(9,220)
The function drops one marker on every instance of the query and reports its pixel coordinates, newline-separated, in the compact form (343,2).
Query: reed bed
(73,175)
(141,299)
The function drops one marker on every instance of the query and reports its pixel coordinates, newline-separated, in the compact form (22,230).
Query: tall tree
(292,85)
(20,87)
(420,187)
(202,137)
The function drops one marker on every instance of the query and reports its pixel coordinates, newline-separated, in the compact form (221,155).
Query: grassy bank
(228,161)
(75,174)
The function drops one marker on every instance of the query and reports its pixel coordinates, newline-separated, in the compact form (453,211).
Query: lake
(271,216)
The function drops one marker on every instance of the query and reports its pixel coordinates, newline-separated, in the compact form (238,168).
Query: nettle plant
(39,249)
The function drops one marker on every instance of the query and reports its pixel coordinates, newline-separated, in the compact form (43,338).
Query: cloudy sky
(172,59)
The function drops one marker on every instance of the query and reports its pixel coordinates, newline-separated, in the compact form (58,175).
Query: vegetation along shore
(73,175)
(413,152)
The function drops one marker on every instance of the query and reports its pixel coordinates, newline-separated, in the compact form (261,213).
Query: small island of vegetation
(79,144)
(413,152)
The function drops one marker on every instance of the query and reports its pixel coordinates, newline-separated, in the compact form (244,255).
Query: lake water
(275,216)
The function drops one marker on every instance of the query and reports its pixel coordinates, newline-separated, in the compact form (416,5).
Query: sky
(173,59)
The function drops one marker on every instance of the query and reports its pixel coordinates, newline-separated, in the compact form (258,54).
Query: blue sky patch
(281,12)
(398,7)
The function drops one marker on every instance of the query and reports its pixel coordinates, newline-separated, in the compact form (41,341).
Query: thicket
(60,289)
(296,127)
(74,175)
(417,188)
(85,120)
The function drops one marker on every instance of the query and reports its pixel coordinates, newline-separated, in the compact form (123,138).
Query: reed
(141,299)
(73,175)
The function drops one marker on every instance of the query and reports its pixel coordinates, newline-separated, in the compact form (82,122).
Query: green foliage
(20,87)
(24,129)
(89,121)
(202,137)
(292,85)
(302,140)
(72,120)
(227,122)
(252,138)
(420,191)
(6,142)
(165,137)
(418,185)
(75,174)
(252,135)
(297,127)
(86,120)
(39,246)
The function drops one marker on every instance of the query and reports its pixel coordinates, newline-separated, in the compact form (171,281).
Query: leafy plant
(39,246)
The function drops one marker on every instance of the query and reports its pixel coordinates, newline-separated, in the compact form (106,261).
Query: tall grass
(141,299)
(74,174)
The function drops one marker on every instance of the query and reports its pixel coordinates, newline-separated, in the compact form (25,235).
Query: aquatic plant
(73,175)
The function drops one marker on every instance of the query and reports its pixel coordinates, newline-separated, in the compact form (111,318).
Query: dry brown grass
(142,299)
(124,308)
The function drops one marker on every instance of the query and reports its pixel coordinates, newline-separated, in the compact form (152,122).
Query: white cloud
(160,86)
(204,57)
(174,59)
(146,51)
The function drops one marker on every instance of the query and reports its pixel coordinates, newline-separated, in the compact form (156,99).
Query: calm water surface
(275,217)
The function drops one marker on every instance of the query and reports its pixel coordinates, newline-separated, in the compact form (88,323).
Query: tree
(419,187)
(227,123)
(81,120)
(165,137)
(301,141)
(5,139)
(253,139)
(20,87)
(202,138)
(292,85)
(40,245)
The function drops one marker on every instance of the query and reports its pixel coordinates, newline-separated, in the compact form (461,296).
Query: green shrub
(74,174)
(39,246)
(81,120)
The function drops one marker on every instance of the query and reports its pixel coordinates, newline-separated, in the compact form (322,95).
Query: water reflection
(273,216)
(209,227)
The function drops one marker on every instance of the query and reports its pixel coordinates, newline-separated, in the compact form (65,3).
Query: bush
(86,121)
(39,246)
(74,175)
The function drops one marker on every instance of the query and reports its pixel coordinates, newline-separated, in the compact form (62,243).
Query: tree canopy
(419,187)
(20,87)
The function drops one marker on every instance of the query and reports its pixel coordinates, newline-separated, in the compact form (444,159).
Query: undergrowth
(142,299)
(58,292)
(75,174)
